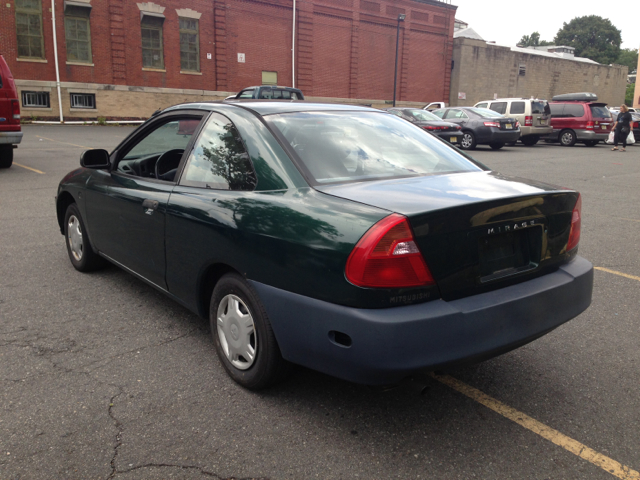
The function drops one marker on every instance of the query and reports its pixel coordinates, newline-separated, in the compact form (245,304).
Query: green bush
(102,121)
(628,98)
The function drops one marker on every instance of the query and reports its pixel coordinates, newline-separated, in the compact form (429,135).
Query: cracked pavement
(102,377)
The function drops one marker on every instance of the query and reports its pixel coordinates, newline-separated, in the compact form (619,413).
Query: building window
(189,45)
(522,70)
(29,29)
(269,78)
(77,33)
(152,55)
(35,99)
(83,100)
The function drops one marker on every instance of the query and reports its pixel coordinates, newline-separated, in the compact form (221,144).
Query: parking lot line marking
(615,272)
(554,436)
(28,168)
(66,143)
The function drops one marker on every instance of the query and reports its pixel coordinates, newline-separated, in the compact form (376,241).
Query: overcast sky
(506,21)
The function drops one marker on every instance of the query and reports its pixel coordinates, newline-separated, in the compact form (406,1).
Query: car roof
(513,99)
(268,107)
(272,86)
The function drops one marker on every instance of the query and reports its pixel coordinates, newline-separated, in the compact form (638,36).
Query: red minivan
(579,117)
(10,130)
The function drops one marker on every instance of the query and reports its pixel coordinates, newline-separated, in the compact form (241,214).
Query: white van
(533,115)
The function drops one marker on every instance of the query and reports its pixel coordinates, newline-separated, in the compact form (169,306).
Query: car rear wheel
(591,143)
(6,156)
(82,256)
(243,336)
(568,138)
(468,141)
(496,146)
(530,140)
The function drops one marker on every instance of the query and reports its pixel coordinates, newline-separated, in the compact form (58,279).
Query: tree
(592,37)
(628,98)
(533,40)
(629,58)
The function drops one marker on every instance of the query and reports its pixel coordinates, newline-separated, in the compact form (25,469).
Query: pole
(395,72)
(55,57)
(293,48)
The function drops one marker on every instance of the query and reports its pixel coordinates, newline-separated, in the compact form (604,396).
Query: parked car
(431,123)
(435,106)
(635,127)
(532,115)
(10,129)
(481,126)
(268,92)
(579,118)
(335,237)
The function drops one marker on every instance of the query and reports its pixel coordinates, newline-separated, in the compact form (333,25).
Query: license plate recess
(509,253)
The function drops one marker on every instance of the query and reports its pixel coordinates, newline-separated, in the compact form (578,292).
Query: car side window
(246,93)
(172,135)
(439,113)
(516,108)
(219,159)
(500,107)
(556,110)
(294,96)
(573,110)
(266,93)
(456,114)
(482,105)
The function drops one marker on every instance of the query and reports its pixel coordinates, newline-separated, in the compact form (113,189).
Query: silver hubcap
(466,140)
(74,234)
(566,138)
(236,332)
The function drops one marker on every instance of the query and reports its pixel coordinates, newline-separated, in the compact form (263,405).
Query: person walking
(622,127)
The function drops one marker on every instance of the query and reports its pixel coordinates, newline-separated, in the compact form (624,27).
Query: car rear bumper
(10,137)
(493,135)
(451,137)
(591,135)
(390,344)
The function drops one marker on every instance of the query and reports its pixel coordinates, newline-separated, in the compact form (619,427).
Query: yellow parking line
(28,168)
(615,272)
(66,143)
(607,464)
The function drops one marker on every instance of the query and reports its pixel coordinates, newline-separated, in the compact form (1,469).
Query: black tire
(468,141)
(6,156)
(530,140)
(568,138)
(591,143)
(496,146)
(267,367)
(82,256)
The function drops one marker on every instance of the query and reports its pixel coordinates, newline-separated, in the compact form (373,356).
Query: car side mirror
(97,158)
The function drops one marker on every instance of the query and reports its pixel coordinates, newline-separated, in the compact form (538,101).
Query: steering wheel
(167,164)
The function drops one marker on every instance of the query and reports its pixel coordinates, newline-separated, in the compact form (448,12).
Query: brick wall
(344,48)
(482,70)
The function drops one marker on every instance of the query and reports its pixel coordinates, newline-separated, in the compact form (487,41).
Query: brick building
(121,58)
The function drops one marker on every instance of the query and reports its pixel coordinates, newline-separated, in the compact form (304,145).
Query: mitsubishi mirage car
(335,237)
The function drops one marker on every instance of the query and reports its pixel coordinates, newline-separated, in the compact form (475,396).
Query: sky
(506,21)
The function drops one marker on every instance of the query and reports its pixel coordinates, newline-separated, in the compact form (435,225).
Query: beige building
(484,70)
(636,94)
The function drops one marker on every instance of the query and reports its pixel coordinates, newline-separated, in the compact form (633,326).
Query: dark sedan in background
(481,126)
(431,123)
(335,237)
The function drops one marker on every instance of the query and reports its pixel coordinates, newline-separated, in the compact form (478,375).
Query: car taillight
(517,124)
(576,218)
(15,109)
(492,124)
(590,125)
(528,121)
(431,127)
(387,257)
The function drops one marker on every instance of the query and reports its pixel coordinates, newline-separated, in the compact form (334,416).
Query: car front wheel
(243,336)
(468,141)
(568,138)
(82,256)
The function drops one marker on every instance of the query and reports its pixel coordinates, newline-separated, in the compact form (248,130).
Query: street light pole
(401,18)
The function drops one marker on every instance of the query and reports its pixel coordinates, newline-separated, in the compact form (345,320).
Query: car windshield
(484,112)
(357,146)
(599,111)
(423,115)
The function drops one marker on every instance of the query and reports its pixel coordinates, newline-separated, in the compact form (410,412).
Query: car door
(215,190)
(127,213)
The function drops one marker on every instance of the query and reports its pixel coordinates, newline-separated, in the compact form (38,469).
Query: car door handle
(150,206)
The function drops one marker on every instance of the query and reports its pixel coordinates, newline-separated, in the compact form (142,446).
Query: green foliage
(102,121)
(533,40)
(629,58)
(628,98)
(592,37)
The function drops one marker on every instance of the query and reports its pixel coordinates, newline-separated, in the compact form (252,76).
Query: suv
(532,114)
(579,117)
(10,130)
(270,92)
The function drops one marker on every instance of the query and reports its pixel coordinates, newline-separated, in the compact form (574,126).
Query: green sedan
(340,238)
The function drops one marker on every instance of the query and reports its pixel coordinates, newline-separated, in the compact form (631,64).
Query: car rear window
(599,111)
(539,107)
(358,146)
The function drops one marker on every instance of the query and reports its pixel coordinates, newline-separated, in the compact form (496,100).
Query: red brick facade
(344,48)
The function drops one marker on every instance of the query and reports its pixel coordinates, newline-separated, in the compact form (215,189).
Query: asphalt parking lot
(103,377)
